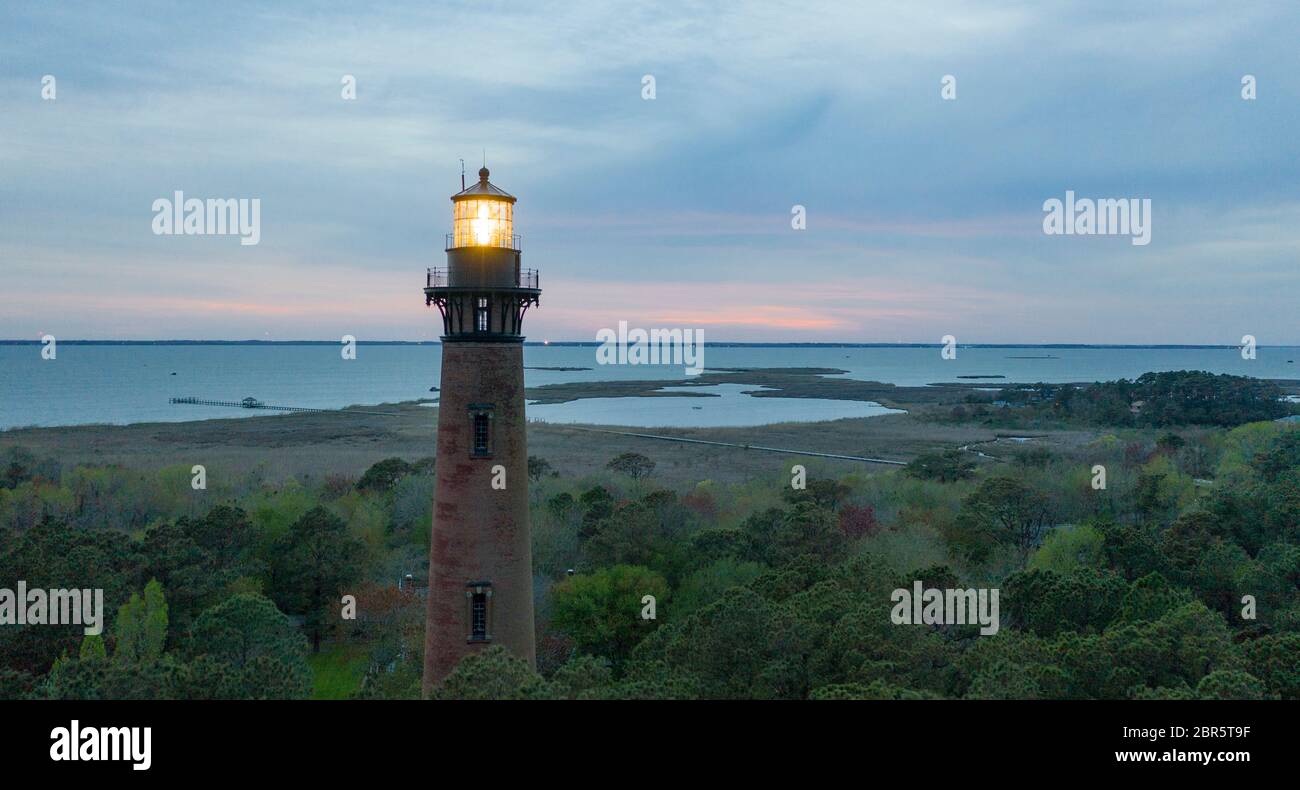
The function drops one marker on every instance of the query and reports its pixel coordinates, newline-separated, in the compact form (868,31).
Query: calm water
(126,384)
(730,407)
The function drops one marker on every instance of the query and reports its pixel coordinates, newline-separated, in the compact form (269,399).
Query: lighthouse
(480,553)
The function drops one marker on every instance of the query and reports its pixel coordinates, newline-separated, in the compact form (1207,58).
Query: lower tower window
(478,597)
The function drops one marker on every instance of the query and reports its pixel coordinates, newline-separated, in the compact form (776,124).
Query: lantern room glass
(483,223)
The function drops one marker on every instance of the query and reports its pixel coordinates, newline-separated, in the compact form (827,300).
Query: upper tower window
(480,430)
(481,315)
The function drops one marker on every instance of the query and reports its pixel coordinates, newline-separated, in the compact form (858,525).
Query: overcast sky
(924,216)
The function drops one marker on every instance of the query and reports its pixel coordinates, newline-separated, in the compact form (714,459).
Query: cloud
(833,106)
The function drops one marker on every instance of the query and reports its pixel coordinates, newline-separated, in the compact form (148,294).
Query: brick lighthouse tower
(480,556)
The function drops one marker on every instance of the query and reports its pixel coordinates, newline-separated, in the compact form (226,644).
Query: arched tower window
(478,599)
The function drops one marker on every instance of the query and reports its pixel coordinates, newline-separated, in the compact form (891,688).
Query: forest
(1176,578)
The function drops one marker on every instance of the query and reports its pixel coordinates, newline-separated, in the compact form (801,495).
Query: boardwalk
(742,446)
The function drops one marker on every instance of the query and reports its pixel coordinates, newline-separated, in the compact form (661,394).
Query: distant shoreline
(595,344)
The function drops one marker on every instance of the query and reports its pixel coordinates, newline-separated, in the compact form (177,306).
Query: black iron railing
(525,278)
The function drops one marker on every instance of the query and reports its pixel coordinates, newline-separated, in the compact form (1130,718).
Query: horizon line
(596,343)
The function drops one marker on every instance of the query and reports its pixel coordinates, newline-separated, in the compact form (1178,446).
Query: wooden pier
(253,403)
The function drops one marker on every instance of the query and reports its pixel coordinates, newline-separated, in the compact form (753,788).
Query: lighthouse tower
(480,556)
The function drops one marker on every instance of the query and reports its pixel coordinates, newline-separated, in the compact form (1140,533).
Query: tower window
(480,430)
(481,437)
(478,598)
(478,618)
(481,315)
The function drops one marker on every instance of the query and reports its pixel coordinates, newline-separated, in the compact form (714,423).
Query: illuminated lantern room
(483,216)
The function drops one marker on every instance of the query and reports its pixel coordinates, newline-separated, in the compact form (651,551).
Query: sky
(924,215)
